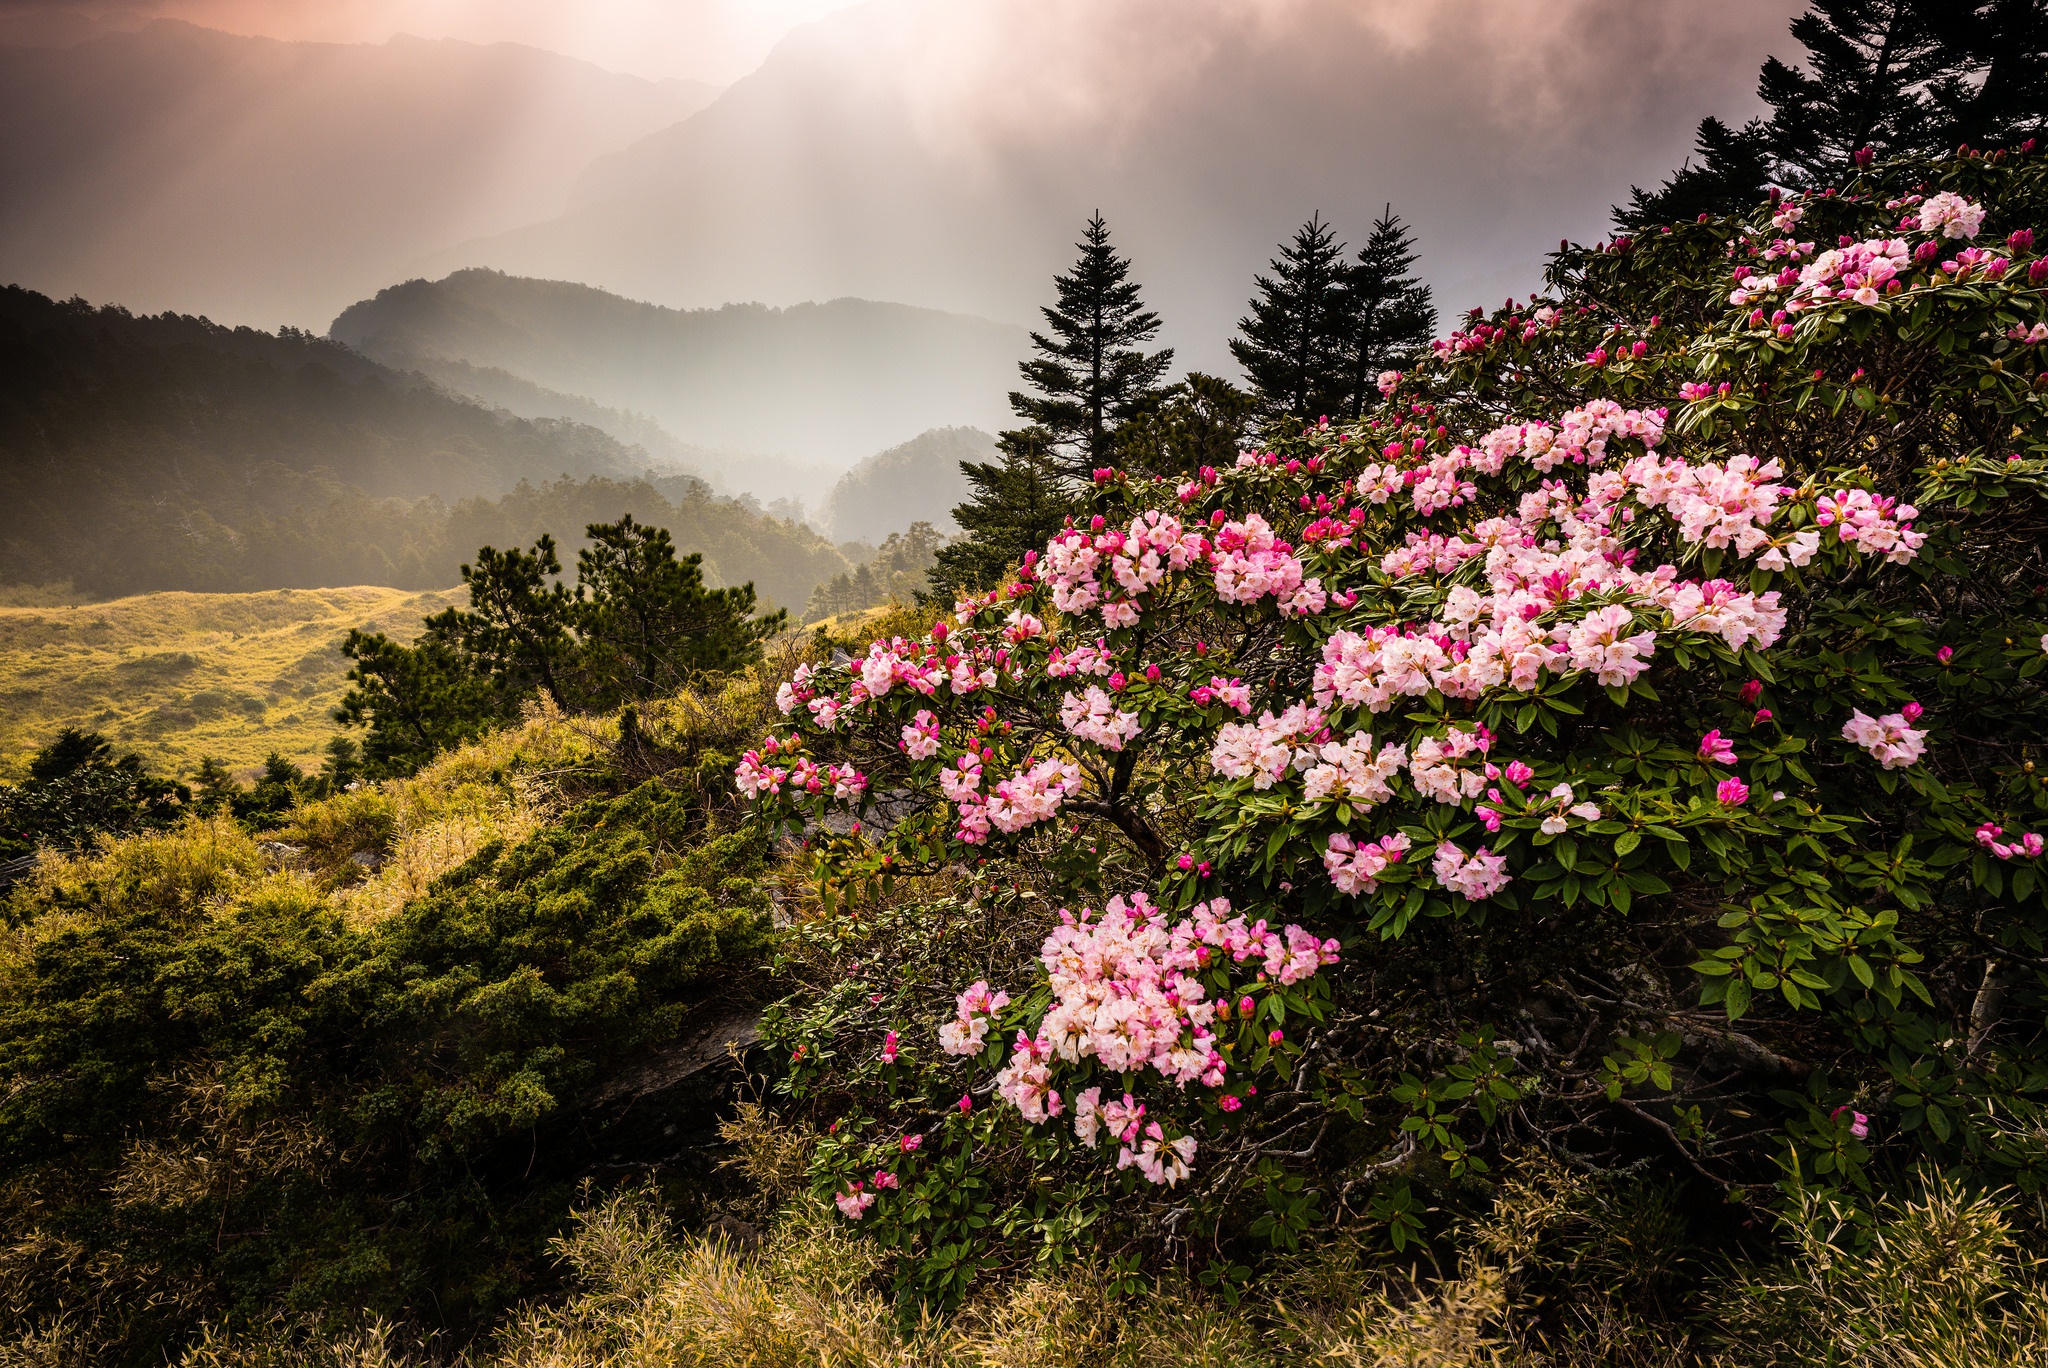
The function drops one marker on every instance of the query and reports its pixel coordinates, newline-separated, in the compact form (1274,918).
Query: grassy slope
(179,676)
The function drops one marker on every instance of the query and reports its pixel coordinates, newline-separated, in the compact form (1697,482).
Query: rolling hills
(156,453)
(177,677)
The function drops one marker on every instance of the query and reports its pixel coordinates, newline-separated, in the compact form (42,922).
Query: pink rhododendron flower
(1717,749)
(1733,792)
(1894,743)
(853,1202)
(1477,876)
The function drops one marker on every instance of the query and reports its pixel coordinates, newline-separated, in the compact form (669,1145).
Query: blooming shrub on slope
(1671,642)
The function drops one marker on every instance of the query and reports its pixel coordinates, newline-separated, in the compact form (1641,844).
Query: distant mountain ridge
(271,182)
(919,481)
(169,452)
(824,383)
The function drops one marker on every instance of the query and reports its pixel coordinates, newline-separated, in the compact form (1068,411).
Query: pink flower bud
(1244,1006)
(1275,1037)
(1911,712)
(911,1142)
(1230,1103)
(1945,654)
(966,1103)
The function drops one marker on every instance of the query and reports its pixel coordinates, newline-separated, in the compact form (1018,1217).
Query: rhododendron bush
(1624,741)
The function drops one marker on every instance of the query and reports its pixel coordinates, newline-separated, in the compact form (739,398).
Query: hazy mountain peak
(824,383)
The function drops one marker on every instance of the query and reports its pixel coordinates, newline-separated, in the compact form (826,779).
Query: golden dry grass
(181,676)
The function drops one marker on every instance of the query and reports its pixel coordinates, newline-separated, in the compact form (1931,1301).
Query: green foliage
(77,789)
(1295,345)
(1392,315)
(1321,331)
(646,625)
(228,1099)
(1733,171)
(640,625)
(1881,78)
(1015,502)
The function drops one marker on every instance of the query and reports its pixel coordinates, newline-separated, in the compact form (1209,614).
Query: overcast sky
(933,152)
(708,40)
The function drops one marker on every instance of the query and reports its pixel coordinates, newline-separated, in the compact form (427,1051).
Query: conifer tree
(1295,345)
(1392,315)
(648,625)
(1091,372)
(1867,64)
(1993,86)
(416,701)
(1732,174)
(1196,422)
(519,621)
(1015,504)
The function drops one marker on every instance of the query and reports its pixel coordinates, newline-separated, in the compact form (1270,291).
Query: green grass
(180,676)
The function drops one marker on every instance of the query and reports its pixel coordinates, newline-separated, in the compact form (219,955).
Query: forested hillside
(918,481)
(168,452)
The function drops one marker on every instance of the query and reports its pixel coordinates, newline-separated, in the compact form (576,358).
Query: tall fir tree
(1992,89)
(1015,504)
(1868,63)
(1295,344)
(1092,371)
(1732,174)
(1392,314)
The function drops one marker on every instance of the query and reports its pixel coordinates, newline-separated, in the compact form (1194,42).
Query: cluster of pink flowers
(1476,876)
(1580,437)
(1137,558)
(1435,770)
(1231,693)
(921,736)
(1874,524)
(1094,716)
(758,776)
(1864,272)
(1126,995)
(1951,215)
(1561,798)
(1140,1142)
(974,1011)
(854,1201)
(1355,866)
(1266,749)
(1352,770)
(1250,563)
(2029,845)
(1890,738)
